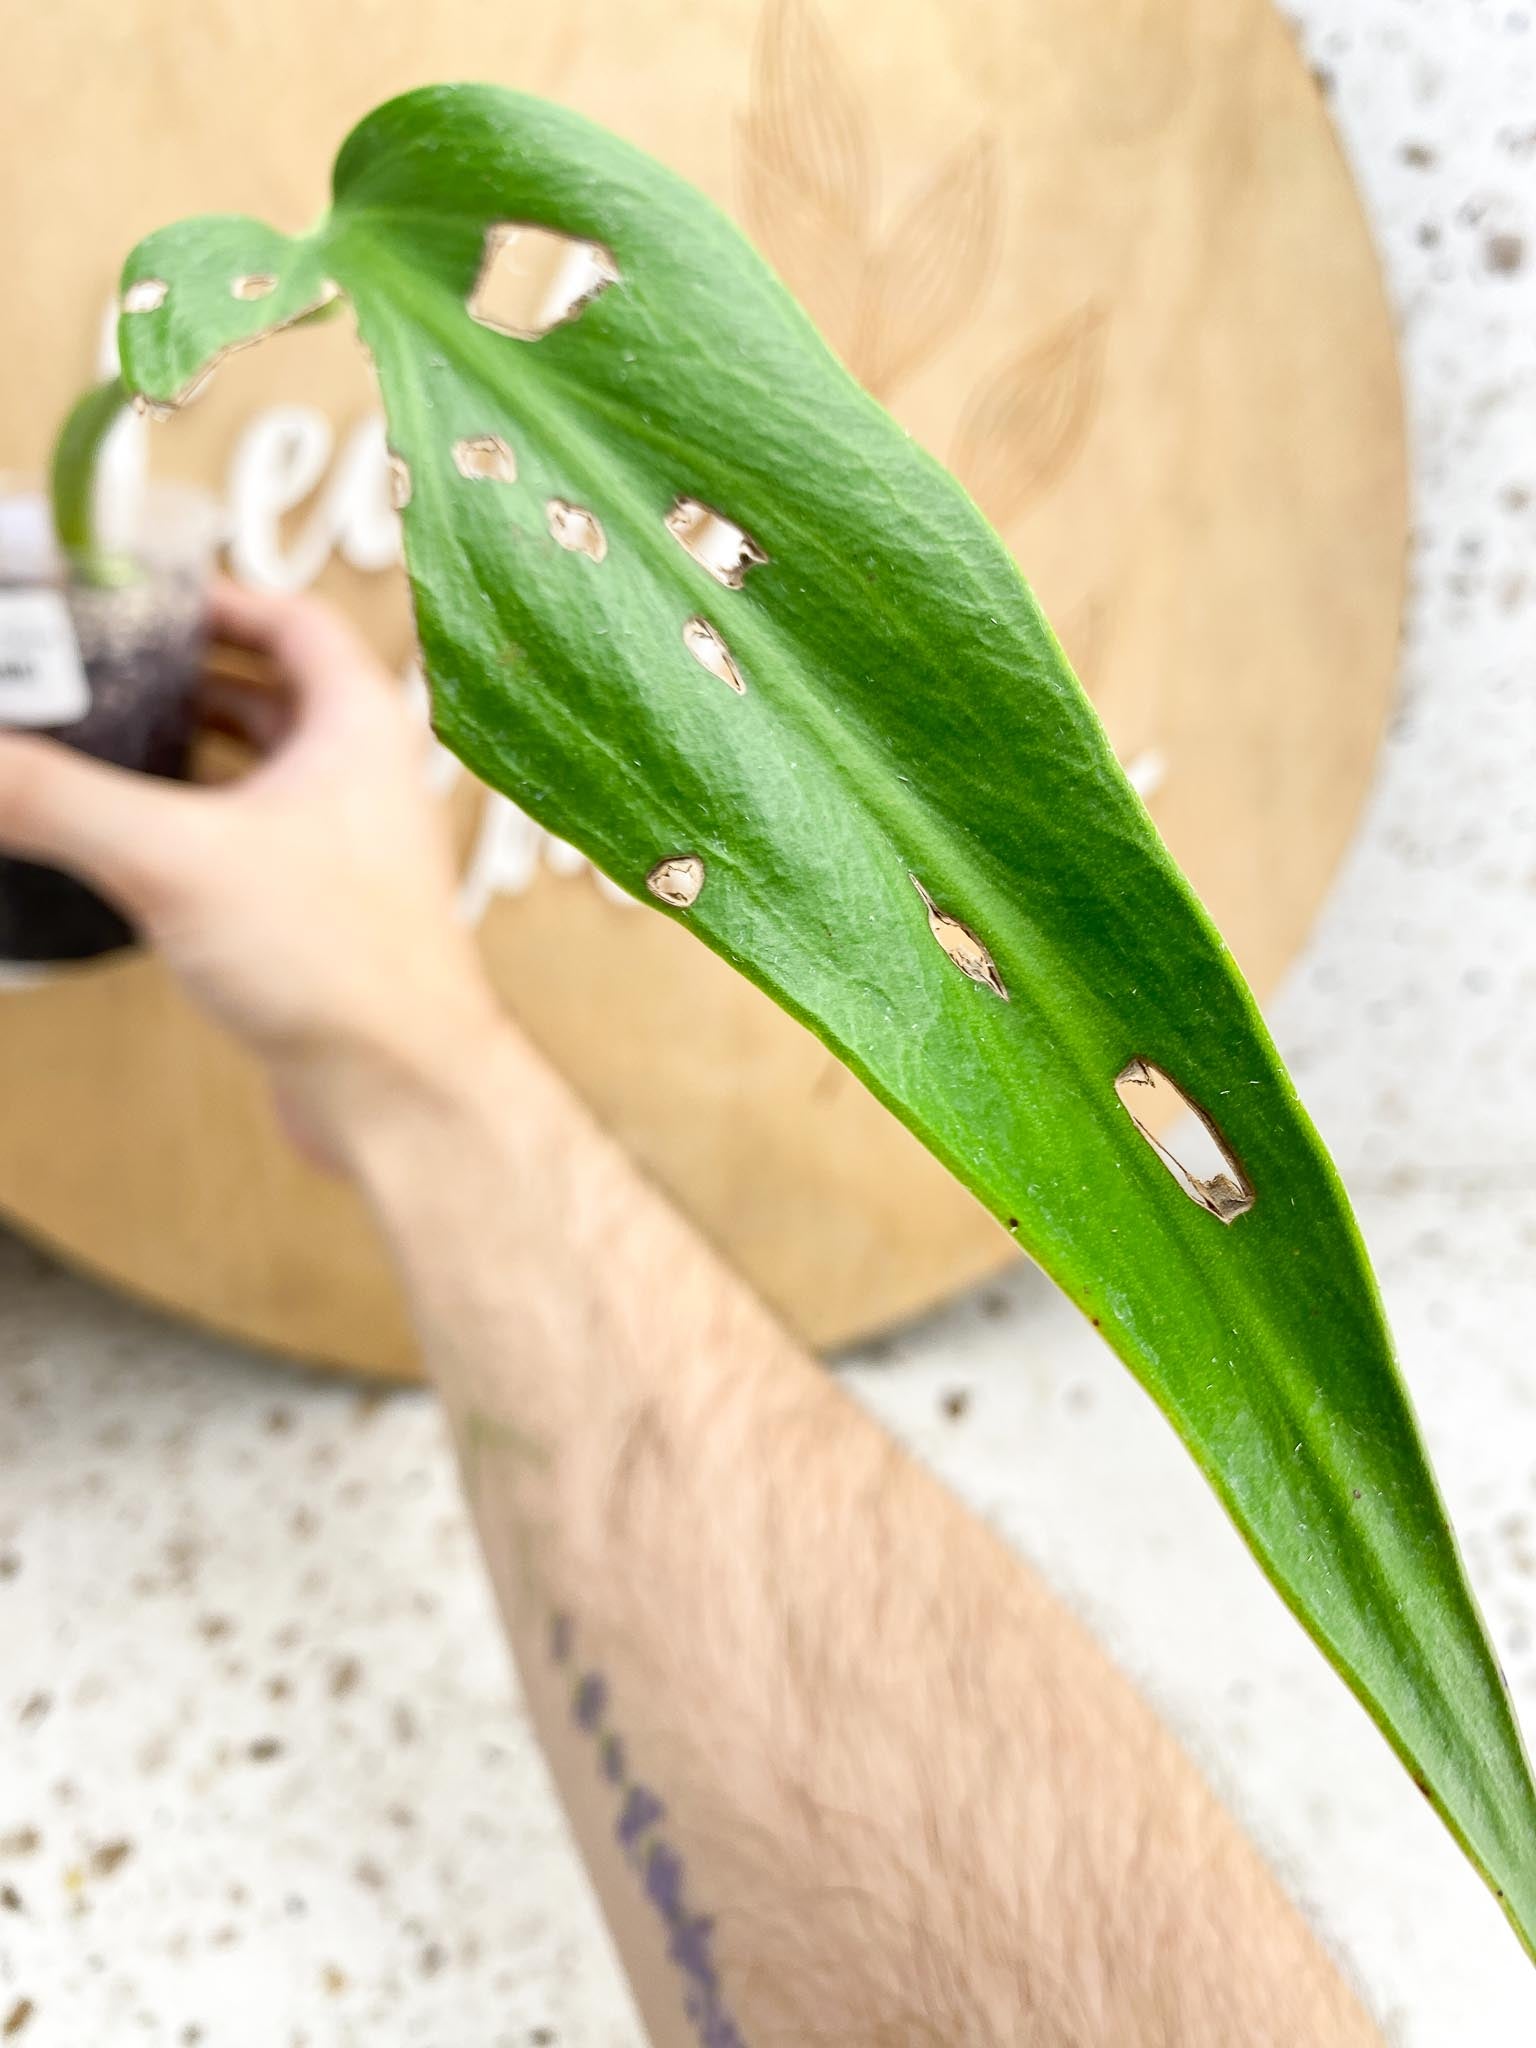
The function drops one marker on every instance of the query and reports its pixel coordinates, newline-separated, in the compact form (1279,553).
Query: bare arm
(842,1769)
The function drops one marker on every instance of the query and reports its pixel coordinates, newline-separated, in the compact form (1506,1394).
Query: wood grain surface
(1102,256)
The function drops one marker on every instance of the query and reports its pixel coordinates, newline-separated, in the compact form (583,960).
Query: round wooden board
(1102,256)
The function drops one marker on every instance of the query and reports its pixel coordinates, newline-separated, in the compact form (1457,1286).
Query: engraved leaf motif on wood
(808,168)
(930,274)
(821,262)
(806,118)
(1025,424)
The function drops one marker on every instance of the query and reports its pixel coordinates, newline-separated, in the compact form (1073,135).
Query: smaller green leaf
(257,282)
(76,453)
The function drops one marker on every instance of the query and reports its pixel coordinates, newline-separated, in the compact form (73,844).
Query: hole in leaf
(145,295)
(160,407)
(193,391)
(574,527)
(1194,1151)
(677,880)
(716,543)
(486,458)
(707,648)
(399,481)
(961,944)
(260,284)
(533,279)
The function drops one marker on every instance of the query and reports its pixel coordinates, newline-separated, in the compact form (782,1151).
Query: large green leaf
(906,714)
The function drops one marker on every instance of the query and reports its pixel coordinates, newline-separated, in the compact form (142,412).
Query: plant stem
(76,454)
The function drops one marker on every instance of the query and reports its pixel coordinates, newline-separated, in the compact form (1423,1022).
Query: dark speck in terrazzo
(1504,253)
(368,1404)
(346,1673)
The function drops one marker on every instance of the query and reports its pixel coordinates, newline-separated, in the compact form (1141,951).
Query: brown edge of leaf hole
(485,458)
(165,408)
(677,880)
(501,235)
(961,944)
(689,520)
(1225,1195)
(707,646)
(577,529)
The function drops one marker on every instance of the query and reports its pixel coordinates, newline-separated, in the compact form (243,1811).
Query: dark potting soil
(141,647)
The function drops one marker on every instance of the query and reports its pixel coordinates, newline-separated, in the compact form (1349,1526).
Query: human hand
(308,906)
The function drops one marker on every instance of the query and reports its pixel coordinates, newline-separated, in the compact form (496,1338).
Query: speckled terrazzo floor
(263,1783)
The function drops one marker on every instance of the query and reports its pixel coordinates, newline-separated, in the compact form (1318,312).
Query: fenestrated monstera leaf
(691,598)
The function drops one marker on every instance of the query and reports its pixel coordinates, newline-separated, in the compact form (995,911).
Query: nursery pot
(107,666)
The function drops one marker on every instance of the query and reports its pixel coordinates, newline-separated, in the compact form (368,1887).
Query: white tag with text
(42,678)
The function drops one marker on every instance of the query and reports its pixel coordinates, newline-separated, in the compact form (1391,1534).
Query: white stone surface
(262,1780)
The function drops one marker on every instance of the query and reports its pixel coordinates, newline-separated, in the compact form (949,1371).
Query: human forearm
(912,1797)
(788,1685)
